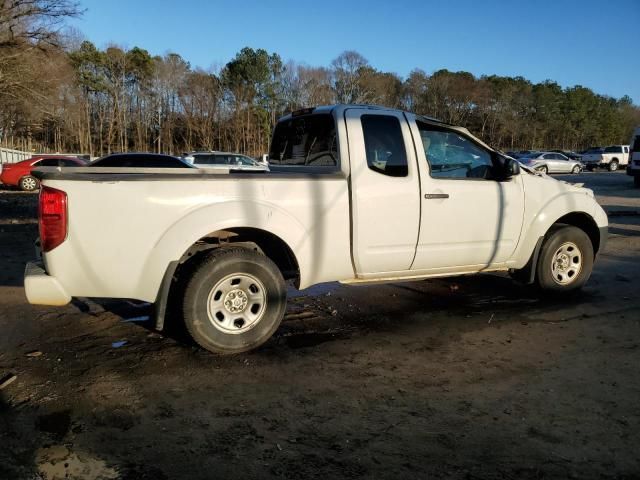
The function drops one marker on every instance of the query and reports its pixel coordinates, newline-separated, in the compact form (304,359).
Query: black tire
(29,183)
(591,168)
(636,180)
(556,239)
(217,266)
(613,165)
(576,169)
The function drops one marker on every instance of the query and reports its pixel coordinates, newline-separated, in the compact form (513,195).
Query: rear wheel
(613,165)
(28,183)
(565,261)
(234,301)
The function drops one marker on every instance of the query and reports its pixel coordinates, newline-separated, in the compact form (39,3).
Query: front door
(469,219)
(385,191)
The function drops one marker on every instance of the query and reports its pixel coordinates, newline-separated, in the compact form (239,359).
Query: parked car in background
(633,168)
(569,153)
(611,158)
(140,160)
(19,174)
(551,162)
(521,153)
(224,160)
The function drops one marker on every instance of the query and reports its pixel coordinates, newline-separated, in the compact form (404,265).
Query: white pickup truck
(611,158)
(356,194)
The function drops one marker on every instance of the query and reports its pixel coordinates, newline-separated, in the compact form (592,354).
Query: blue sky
(586,42)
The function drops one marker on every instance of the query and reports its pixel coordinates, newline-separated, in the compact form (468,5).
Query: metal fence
(7,155)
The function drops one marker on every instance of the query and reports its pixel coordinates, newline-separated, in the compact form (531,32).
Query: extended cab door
(470,219)
(385,191)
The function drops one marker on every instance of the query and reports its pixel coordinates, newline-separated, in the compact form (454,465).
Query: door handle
(433,196)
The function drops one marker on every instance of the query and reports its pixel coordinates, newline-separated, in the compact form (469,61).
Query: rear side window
(49,162)
(613,150)
(223,159)
(308,140)
(210,160)
(384,144)
(69,163)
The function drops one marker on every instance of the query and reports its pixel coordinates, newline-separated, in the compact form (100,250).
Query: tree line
(61,94)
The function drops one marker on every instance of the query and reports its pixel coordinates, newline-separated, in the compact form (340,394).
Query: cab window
(384,144)
(452,155)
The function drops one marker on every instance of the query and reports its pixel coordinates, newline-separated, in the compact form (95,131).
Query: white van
(633,168)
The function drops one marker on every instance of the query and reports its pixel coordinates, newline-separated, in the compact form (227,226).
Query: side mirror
(510,167)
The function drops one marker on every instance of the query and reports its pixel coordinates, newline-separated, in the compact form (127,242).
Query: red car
(19,174)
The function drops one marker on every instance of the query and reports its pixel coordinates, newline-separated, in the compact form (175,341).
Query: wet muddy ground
(470,377)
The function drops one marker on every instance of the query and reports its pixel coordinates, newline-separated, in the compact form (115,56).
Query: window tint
(626,149)
(68,163)
(613,150)
(209,160)
(223,159)
(451,155)
(636,144)
(384,145)
(140,161)
(307,140)
(49,162)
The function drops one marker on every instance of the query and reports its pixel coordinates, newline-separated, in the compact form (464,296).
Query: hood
(549,186)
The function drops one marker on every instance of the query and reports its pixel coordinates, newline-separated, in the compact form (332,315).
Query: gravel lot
(470,377)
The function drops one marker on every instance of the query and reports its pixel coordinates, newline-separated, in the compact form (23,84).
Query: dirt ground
(468,378)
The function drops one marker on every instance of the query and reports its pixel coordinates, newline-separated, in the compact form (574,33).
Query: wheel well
(585,223)
(252,238)
(169,300)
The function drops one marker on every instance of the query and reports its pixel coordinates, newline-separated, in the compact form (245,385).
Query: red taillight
(52,218)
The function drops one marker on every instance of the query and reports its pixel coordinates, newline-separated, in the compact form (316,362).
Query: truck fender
(575,203)
(204,220)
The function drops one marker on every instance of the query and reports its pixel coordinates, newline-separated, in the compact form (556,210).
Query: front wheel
(566,260)
(613,166)
(28,183)
(544,169)
(576,169)
(234,301)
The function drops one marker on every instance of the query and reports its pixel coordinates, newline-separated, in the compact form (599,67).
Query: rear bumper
(41,288)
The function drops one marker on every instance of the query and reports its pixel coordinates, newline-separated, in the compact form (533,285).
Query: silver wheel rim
(29,183)
(566,263)
(237,303)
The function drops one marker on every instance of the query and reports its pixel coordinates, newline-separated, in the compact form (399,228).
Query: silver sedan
(551,162)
